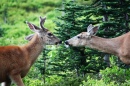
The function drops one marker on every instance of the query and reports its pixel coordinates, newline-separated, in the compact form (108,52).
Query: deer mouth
(67,44)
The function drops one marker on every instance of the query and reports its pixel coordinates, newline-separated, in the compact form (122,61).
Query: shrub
(116,74)
(113,76)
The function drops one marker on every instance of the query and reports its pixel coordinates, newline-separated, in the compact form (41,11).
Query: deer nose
(60,42)
(66,42)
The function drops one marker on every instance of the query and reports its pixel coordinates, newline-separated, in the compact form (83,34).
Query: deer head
(83,38)
(45,35)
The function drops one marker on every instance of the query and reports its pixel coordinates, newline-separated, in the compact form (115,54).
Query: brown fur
(15,61)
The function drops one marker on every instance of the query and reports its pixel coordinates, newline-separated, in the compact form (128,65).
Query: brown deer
(15,61)
(119,46)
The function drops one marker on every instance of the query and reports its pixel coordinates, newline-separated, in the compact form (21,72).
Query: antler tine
(42,20)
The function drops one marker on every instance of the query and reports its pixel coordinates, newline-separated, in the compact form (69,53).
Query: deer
(118,46)
(15,61)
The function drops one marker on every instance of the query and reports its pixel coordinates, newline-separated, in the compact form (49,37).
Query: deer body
(15,61)
(13,55)
(118,46)
(18,58)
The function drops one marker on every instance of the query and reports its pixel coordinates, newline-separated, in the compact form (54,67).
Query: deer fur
(15,61)
(119,46)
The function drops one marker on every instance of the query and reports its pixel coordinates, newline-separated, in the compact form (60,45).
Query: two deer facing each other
(15,61)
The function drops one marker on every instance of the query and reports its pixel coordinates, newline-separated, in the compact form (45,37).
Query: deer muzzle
(67,44)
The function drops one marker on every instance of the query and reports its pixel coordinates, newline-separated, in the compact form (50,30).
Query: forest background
(61,66)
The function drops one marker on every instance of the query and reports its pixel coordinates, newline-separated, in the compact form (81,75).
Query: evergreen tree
(76,20)
(1,32)
(112,16)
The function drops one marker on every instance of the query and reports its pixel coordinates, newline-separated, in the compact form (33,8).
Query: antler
(42,20)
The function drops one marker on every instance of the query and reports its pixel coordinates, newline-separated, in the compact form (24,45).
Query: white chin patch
(88,33)
(66,46)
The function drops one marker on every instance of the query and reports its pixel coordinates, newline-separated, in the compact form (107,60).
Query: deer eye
(78,37)
(49,34)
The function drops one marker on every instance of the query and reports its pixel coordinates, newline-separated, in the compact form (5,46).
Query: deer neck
(34,48)
(105,45)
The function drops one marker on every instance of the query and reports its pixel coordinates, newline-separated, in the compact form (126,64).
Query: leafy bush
(95,82)
(116,74)
(33,82)
(111,76)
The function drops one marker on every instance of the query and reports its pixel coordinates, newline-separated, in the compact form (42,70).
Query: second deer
(15,61)
(119,46)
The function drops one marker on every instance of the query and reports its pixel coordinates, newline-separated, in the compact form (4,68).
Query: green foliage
(15,13)
(116,74)
(53,80)
(60,66)
(75,20)
(112,76)
(33,82)
(1,32)
(95,82)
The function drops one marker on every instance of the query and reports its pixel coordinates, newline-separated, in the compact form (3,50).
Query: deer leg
(17,79)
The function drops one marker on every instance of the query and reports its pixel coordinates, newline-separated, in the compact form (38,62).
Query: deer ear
(29,37)
(33,27)
(94,30)
(89,29)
